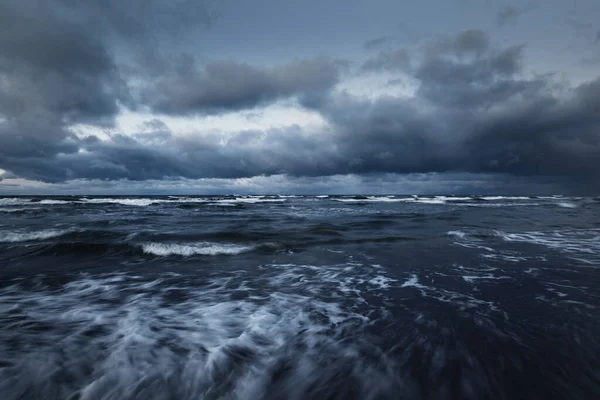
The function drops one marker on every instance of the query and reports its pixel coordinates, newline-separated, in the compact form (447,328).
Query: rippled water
(299,297)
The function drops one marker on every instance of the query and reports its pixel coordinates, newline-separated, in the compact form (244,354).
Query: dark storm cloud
(476,114)
(232,86)
(70,58)
(51,65)
(161,155)
(64,62)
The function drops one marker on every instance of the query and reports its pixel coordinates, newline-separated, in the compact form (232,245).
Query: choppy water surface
(283,297)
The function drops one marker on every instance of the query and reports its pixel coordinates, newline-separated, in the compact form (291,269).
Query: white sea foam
(390,199)
(53,202)
(248,200)
(463,239)
(473,278)
(463,301)
(579,244)
(413,282)
(12,237)
(382,282)
(144,343)
(457,234)
(125,202)
(12,201)
(425,200)
(12,210)
(453,198)
(190,249)
(565,204)
(495,198)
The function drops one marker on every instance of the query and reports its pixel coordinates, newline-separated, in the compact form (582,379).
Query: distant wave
(12,237)
(362,199)
(565,204)
(427,199)
(12,201)
(190,249)
(493,198)
(125,202)
(52,202)
(12,210)
(248,200)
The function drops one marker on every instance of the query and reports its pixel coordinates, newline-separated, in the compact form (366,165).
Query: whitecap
(12,237)
(371,199)
(453,198)
(413,282)
(249,200)
(457,234)
(11,201)
(53,202)
(494,198)
(190,249)
(125,202)
(382,282)
(566,205)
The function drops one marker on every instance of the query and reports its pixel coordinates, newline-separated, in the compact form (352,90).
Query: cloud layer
(474,109)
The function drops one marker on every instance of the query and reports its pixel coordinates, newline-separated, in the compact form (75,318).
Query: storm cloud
(474,106)
(229,85)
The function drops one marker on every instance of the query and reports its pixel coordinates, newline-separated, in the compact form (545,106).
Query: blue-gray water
(299,298)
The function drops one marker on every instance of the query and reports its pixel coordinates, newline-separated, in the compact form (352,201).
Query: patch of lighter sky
(278,115)
(372,86)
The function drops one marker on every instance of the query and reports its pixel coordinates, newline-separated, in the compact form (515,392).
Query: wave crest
(191,249)
(12,237)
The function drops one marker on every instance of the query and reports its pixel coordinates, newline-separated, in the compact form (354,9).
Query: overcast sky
(313,96)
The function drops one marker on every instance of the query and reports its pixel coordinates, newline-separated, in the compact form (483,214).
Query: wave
(13,210)
(457,234)
(496,198)
(585,243)
(125,202)
(248,200)
(366,199)
(53,202)
(202,248)
(12,201)
(13,237)
(565,204)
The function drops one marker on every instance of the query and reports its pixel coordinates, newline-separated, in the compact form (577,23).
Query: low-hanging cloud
(231,86)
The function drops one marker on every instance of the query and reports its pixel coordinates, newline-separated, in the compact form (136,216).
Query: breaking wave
(12,237)
(203,248)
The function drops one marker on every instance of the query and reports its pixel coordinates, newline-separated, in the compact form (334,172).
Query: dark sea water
(299,298)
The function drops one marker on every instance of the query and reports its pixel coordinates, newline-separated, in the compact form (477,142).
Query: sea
(299,297)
